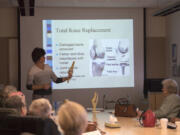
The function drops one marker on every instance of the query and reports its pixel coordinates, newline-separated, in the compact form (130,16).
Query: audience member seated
(171,104)
(16,102)
(9,89)
(20,94)
(41,107)
(72,118)
(27,124)
(5,93)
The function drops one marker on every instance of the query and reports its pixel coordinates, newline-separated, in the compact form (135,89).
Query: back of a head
(14,102)
(170,85)
(72,118)
(40,107)
(9,89)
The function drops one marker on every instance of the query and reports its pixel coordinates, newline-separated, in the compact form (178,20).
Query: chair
(16,125)
(8,111)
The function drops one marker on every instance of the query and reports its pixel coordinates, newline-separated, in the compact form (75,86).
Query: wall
(8,44)
(4,73)
(173,37)
(155,45)
(8,27)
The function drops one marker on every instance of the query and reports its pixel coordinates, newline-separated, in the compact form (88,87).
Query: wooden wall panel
(156,57)
(4,61)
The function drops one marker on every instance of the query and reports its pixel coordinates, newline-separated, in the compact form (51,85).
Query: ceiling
(93,3)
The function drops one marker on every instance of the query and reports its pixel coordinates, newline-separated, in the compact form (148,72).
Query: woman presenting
(40,76)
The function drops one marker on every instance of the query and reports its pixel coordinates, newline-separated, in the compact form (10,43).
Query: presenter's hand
(46,86)
(70,75)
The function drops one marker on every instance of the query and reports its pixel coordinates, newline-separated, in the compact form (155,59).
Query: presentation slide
(101,49)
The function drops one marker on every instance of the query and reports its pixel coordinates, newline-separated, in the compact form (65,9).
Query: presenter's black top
(37,76)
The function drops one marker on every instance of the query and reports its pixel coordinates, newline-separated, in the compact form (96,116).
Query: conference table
(128,126)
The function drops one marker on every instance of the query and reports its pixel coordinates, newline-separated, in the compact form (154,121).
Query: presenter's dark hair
(37,53)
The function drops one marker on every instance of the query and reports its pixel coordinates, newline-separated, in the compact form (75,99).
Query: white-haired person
(72,118)
(41,107)
(170,106)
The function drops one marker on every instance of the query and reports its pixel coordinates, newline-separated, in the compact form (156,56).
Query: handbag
(147,119)
(124,109)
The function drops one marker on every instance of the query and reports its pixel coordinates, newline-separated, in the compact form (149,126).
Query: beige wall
(173,37)
(162,32)
(8,53)
(8,23)
(4,56)
(156,57)
(155,25)
(13,61)
(155,45)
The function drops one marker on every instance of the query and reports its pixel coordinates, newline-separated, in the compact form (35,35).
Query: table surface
(128,126)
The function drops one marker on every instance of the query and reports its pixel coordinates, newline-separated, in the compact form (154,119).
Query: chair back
(8,111)
(30,124)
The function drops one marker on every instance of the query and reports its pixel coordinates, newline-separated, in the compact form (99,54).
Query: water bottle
(55,107)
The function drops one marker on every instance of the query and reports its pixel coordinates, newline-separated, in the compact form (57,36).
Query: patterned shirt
(37,76)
